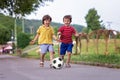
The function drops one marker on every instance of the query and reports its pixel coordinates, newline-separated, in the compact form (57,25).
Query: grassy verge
(91,58)
(111,60)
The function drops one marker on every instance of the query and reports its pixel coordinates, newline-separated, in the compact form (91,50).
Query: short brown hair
(46,17)
(68,17)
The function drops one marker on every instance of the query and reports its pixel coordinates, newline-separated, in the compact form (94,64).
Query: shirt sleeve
(38,30)
(60,29)
(74,31)
(52,30)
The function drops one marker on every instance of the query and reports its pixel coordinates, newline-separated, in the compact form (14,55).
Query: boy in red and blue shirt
(66,32)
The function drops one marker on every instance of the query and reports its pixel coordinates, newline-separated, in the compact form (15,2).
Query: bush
(23,40)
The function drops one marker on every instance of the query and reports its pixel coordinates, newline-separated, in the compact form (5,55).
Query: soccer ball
(57,63)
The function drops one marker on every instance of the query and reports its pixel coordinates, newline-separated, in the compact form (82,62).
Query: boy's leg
(42,60)
(62,56)
(68,59)
(43,48)
(69,52)
(51,56)
(52,52)
(63,49)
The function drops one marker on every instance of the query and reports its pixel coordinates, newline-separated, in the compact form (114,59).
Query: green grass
(91,57)
(98,58)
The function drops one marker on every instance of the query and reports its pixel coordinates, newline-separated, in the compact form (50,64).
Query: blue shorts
(46,48)
(65,47)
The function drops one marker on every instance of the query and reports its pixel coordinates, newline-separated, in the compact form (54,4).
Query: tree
(20,7)
(6,21)
(92,20)
(4,34)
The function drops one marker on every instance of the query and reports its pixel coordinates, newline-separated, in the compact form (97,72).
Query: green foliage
(55,30)
(78,27)
(118,36)
(36,23)
(92,20)
(23,40)
(98,58)
(32,23)
(19,7)
(4,34)
(7,21)
(84,30)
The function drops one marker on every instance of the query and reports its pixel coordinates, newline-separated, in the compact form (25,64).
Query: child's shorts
(65,47)
(46,48)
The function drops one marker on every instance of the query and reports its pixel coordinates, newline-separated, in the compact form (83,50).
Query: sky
(108,10)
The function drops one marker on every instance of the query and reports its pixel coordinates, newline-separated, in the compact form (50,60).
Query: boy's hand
(76,34)
(58,40)
(59,33)
(32,42)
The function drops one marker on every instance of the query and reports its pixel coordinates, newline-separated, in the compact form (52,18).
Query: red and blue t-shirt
(66,33)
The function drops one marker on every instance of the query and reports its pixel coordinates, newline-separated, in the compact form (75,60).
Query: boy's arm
(59,33)
(76,33)
(35,38)
(55,38)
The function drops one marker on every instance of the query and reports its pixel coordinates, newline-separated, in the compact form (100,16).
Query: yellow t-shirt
(45,35)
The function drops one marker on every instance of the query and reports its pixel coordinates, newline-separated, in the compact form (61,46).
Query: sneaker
(41,64)
(67,65)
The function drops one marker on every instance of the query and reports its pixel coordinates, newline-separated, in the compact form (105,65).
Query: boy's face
(66,21)
(47,22)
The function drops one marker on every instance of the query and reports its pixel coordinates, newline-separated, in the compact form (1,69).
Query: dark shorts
(65,47)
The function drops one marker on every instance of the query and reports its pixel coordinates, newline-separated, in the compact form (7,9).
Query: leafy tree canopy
(92,20)
(20,7)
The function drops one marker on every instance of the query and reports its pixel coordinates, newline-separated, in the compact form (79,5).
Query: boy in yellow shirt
(45,36)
